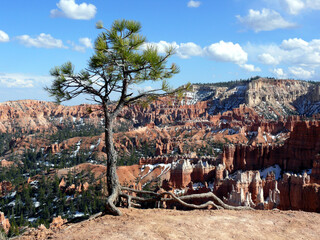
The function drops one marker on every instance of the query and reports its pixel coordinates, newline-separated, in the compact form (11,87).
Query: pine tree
(122,59)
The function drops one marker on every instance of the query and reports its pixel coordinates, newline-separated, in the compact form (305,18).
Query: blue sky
(215,40)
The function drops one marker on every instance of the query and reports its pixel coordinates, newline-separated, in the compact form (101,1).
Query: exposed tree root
(110,206)
(159,197)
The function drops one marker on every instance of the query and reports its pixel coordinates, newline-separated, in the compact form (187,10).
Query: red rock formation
(4,223)
(297,153)
(5,188)
(86,186)
(315,173)
(5,163)
(57,223)
(62,183)
(184,172)
(180,175)
(297,193)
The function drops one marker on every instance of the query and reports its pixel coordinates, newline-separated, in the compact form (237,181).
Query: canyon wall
(296,153)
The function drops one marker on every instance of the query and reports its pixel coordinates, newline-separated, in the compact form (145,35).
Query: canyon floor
(196,224)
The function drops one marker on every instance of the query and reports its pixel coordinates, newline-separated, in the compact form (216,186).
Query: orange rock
(5,187)
(4,223)
(62,183)
(86,186)
(5,163)
(57,223)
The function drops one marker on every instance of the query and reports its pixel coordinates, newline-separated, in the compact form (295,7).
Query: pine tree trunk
(113,184)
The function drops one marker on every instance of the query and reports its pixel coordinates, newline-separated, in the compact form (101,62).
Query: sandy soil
(196,224)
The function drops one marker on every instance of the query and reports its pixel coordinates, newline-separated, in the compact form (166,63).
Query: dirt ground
(196,224)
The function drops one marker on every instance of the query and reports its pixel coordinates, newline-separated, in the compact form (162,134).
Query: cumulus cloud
(70,9)
(17,80)
(268,59)
(141,89)
(299,72)
(279,73)
(294,43)
(183,50)
(162,46)
(41,41)
(293,51)
(226,52)
(87,42)
(194,4)
(4,37)
(221,51)
(294,72)
(301,52)
(186,50)
(294,7)
(293,57)
(264,20)
(250,68)
(84,43)
(313,4)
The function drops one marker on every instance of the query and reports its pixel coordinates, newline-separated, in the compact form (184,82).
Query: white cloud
(279,73)
(17,80)
(70,9)
(4,37)
(183,50)
(300,52)
(294,7)
(294,72)
(267,58)
(294,43)
(194,4)
(87,42)
(226,52)
(313,4)
(84,43)
(162,46)
(293,51)
(299,72)
(250,68)
(41,41)
(186,50)
(265,20)
(221,51)
(141,89)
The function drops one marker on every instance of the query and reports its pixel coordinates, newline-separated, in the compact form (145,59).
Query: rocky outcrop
(274,98)
(57,223)
(271,98)
(180,175)
(4,223)
(248,190)
(296,153)
(184,172)
(298,193)
(5,188)
(37,116)
(315,173)
(5,163)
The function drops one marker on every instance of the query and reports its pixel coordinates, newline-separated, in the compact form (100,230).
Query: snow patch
(179,192)
(276,169)
(74,154)
(32,219)
(78,214)
(166,168)
(198,185)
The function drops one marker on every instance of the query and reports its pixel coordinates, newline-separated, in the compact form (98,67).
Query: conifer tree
(121,60)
